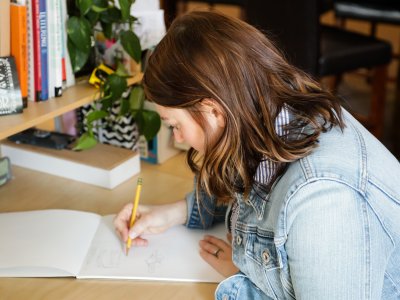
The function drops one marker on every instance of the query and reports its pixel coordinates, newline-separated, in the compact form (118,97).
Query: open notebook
(60,243)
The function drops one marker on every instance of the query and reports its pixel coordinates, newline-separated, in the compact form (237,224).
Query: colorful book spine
(54,48)
(36,49)
(64,17)
(19,45)
(10,93)
(51,47)
(43,49)
(69,74)
(58,50)
(31,64)
(5,44)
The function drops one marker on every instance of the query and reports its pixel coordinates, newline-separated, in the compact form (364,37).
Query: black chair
(372,11)
(375,12)
(323,50)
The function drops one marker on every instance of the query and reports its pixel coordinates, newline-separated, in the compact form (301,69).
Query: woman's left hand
(218,254)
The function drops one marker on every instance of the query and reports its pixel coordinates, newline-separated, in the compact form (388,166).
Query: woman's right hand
(149,219)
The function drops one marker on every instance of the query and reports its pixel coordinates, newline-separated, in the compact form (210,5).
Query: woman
(310,198)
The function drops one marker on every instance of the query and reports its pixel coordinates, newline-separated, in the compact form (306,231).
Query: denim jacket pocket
(261,248)
(261,262)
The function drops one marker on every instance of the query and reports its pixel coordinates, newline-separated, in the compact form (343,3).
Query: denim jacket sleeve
(205,212)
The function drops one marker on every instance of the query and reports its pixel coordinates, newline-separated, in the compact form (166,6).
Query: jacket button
(238,240)
(265,256)
(225,297)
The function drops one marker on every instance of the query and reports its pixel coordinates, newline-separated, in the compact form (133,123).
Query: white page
(172,255)
(144,5)
(47,243)
(150,27)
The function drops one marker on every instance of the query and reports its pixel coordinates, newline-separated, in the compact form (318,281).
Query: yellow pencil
(133,216)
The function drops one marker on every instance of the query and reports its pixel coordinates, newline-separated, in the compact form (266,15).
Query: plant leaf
(79,31)
(107,30)
(111,15)
(96,115)
(100,5)
(131,44)
(92,17)
(149,123)
(106,103)
(84,6)
(132,19)
(78,57)
(86,141)
(136,98)
(121,70)
(125,9)
(115,86)
(124,108)
(99,9)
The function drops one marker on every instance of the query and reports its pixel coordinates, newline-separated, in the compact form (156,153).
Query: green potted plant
(116,23)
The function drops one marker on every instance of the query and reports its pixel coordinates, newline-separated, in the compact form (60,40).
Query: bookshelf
(39,112)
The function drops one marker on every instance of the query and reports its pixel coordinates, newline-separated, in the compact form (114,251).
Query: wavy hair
(210,55)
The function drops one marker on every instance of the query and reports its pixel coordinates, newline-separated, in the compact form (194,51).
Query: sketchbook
(68,243)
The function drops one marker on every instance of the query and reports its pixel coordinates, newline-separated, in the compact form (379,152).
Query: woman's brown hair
(209,55)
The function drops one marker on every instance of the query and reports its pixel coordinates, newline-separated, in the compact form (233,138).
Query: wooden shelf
(39,112)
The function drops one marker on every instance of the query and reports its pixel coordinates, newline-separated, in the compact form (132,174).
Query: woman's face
(186,129)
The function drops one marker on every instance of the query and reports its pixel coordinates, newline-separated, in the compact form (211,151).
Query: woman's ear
(212,107)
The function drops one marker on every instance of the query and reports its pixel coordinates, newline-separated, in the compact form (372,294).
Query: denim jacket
(329,228)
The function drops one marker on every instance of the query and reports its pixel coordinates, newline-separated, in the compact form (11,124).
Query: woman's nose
(178,137)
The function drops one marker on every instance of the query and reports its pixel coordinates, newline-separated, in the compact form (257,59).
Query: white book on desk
(67,243)
(104,165)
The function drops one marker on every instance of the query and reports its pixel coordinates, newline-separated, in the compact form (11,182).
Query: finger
(140,242)
(223,266)
(219,243)
(211,260)
(209,247)
(123,218)
(121,221)
(143,224)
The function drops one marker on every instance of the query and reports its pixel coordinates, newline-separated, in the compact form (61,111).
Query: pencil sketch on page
(154,261)
(104,258)
(165,258)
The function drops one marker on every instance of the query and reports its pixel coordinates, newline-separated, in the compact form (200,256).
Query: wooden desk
(31,190)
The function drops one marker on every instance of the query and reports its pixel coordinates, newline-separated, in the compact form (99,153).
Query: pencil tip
(126,251)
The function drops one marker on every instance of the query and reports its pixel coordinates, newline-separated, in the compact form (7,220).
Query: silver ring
(216,252)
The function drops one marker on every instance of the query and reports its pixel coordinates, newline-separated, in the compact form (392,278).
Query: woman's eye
(174,127)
